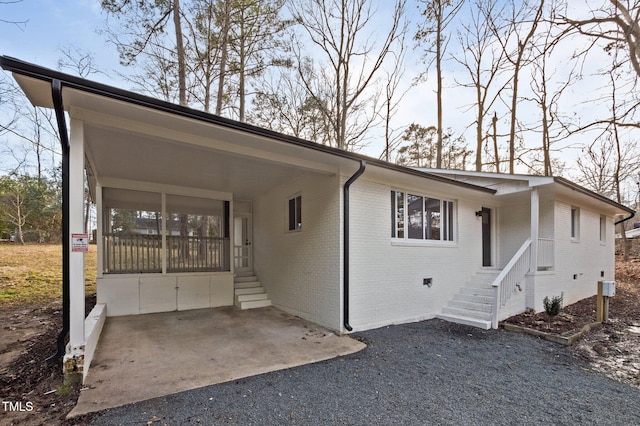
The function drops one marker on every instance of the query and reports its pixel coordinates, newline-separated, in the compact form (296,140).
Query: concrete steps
(473,305)
(249,293)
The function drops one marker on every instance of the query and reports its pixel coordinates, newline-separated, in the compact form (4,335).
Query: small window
(295,213)
(603,229)
(575,223)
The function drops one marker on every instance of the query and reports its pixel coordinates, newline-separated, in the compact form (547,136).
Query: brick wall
(387,277)
(301,270)
(578,262)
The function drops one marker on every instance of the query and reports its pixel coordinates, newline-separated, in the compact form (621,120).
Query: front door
(242,236)
(486,237)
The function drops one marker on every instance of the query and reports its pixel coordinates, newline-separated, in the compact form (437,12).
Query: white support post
(74,358)
(99,231)
(535,219)
(165,247)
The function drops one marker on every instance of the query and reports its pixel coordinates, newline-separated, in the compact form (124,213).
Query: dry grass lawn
(32,274)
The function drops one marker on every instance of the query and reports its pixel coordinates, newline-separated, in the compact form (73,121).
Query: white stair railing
(510,279)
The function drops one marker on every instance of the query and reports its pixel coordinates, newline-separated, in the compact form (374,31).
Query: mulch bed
(571,319)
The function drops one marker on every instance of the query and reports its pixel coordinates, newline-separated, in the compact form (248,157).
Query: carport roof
(84,95)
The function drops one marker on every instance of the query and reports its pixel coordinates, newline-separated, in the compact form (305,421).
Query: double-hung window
(420,217)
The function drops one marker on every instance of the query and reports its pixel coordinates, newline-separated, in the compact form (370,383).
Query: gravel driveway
(429,372)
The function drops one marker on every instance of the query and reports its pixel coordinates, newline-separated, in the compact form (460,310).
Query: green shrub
(554,306)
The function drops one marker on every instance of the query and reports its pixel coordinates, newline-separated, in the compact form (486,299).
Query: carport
(176,351)
(156,163)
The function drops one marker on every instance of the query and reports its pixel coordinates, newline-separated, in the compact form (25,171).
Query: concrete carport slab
(147,356)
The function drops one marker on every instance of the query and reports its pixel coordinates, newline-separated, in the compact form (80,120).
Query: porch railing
(132,253)
(545,253)
(141,253)
(196,254)
(510,279)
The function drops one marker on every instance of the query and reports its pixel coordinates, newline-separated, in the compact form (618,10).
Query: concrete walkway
(146,356)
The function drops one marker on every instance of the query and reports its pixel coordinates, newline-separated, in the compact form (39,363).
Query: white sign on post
(80,242)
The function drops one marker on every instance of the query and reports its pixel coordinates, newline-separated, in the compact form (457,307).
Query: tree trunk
(439,85)
(182,74)
(495,141)
(223,57)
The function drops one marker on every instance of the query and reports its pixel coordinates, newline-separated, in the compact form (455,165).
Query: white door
(242,235)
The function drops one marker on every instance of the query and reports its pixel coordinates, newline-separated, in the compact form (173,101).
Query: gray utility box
(608,288)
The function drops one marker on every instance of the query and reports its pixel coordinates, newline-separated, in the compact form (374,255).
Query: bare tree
(484,62)
(548,84)
(205,50)
(80,61)
(515,35)
(393,96)
(617,25)
(338,30)
(431,33)
(17,23)
(256,38)
(614,160)
(144,25)
(284,105)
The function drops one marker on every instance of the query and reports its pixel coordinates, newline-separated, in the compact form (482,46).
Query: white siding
(387,278)
(300,270)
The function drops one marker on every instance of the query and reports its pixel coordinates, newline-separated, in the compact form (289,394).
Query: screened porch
(147,232)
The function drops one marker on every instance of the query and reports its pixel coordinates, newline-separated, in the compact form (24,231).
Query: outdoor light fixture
(479,213)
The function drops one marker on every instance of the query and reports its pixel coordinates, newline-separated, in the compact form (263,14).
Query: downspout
(345,249)
(56,90)
(631,216)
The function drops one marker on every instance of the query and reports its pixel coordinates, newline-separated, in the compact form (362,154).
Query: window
(295,213)
(426,218)
(575,223)
(603,229)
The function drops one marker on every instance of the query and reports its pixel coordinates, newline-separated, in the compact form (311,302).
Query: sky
(45,27)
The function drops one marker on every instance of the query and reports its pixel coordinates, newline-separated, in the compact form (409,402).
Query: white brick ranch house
(236,214)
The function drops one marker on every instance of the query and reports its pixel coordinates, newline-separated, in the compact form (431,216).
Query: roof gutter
(56,90)
(345,253)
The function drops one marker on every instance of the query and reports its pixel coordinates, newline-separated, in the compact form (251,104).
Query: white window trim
(286,214)
(574,238)
(406,241)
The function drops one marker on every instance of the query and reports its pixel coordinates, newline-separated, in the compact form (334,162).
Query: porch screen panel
(197,236)
(132,236)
